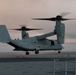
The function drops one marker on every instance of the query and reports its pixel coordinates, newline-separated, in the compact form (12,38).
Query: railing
(66,65)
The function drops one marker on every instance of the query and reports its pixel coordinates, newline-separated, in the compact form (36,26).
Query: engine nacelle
(60,31)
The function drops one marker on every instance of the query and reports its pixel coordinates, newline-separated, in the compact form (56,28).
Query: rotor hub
(58,17)
(23,28)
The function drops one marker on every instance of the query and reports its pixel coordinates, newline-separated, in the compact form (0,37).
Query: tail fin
(4,35)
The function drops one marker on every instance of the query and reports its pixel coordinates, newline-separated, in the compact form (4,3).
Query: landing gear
(37,52)
(59,51)
(27,53)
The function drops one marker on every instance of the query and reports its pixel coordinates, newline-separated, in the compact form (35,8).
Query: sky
(14,13)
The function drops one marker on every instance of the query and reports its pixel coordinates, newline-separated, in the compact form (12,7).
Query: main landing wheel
(27,53)
(37,52)
(59,51)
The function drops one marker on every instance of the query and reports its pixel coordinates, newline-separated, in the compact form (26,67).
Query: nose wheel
(37,52)
(27,53)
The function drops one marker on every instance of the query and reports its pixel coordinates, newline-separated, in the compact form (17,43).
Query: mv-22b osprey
(36,43)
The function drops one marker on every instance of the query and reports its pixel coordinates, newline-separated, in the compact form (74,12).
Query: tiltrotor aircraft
(36,43)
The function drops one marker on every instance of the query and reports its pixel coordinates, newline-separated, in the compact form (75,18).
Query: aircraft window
(39,46)
(34,42)
(52,42)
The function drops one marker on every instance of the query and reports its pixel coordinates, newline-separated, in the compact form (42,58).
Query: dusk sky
(19,12)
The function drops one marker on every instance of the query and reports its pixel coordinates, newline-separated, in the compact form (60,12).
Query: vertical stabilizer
(4,35)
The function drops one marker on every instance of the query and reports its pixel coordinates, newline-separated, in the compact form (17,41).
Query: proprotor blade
(25,29)
(57,18)
(48,19)
(63,14)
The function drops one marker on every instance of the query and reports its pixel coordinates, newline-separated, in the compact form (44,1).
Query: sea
(16,63)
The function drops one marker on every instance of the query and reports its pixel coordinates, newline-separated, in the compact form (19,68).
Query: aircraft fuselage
(32,44)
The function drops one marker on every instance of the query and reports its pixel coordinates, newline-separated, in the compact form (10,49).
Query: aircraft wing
(45,35)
